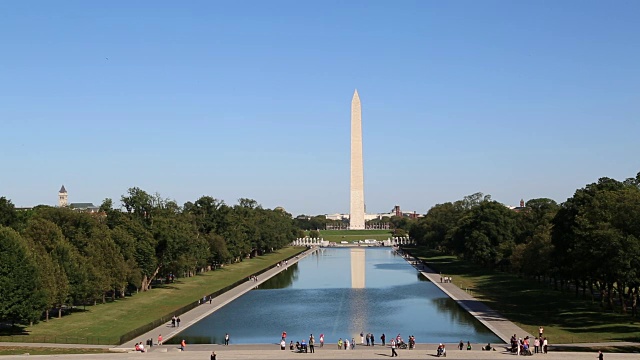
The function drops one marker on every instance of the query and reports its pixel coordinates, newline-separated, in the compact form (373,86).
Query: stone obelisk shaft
(356,214)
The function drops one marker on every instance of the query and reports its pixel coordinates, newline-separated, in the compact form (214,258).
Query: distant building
(62,197)
(86,207)
(410,214)
(379,216)
(518,208)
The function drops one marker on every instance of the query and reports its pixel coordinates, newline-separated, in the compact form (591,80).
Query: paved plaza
(233,352)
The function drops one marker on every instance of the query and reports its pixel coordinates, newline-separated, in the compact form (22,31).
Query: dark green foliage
(592,241)
(21,299)
(84,258)
(8,214)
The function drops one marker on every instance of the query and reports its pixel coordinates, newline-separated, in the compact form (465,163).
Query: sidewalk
(237,352)
(490,318)
(193,316)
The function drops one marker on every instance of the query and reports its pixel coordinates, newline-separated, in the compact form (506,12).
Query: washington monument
(356,213)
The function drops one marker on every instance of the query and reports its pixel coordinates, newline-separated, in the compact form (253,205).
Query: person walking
(600,355)
(178,321)
(173,321)
(340,344)
(461,345)
(540,332)
(382,338)
(545,343)
(361,339)
(226,339)
(213,355)
(321,340)
(183,345)
(283,344)
(160,339)
(312,342)
(393,348)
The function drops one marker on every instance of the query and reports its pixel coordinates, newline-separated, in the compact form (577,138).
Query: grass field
(530,304)
(18,350)
(354,235)
(105,323)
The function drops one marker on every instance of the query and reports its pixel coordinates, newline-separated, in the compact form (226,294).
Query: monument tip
(355,94)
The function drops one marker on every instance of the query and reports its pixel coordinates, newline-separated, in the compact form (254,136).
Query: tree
(435,229)
(486,235)
(595,237)
(8,216)
(21,301)
(43,236)
(138,203)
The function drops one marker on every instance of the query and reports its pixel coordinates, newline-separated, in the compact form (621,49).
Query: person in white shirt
(393,348)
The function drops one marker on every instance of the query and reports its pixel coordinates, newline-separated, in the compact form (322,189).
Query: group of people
(301,346)
(412,342)
(346,344)
(445,279)
(349,344)
(175,320)
(140,347)
(370,339)
(400,344)
(522,346)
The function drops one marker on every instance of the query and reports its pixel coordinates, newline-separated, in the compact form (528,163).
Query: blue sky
(517,99)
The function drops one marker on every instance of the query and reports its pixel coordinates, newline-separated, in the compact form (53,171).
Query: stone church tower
(62,197)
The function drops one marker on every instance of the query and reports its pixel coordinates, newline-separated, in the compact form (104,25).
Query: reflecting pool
(341,292)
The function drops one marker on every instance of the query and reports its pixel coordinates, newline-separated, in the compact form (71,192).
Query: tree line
(590,243)
(56,257)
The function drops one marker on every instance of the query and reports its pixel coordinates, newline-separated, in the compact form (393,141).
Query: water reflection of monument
(358,295)
(357,268)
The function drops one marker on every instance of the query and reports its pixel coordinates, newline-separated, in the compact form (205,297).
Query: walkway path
(193,316)
(490,318)
(237,352)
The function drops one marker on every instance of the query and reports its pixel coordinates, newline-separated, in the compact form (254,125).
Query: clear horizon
(518,100)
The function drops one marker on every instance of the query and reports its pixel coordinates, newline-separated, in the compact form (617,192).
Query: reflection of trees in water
(193,340)
(282,280)
(458,315)
(421,277)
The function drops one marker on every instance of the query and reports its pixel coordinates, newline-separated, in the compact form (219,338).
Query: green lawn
(530,304)
(354,235)
(105,323)
(17,350)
